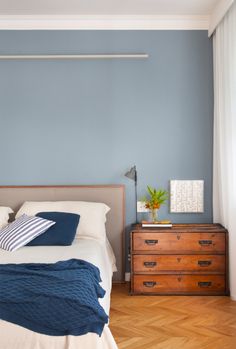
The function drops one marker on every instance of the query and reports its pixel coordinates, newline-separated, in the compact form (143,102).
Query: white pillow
(4,216)
(92,214)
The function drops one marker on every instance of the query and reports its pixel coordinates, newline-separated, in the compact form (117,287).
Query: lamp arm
(136,199)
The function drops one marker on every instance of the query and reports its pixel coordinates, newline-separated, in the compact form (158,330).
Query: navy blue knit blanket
(55,299)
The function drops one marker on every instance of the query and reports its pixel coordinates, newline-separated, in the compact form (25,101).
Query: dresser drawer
(180,242)
(195,284)
(155,263)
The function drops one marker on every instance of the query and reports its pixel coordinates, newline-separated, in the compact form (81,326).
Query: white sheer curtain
(224,172)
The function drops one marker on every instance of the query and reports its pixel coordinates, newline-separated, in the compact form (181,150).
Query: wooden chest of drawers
(189,259)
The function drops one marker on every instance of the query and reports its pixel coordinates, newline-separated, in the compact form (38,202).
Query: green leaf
(156,197)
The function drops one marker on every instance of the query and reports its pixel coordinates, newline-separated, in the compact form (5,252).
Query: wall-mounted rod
(79,56)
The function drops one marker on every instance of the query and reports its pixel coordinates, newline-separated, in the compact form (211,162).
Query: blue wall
(87,122)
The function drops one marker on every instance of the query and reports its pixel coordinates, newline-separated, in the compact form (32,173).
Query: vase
(154,215)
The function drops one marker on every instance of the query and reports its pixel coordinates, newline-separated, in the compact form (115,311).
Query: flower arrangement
(154,200)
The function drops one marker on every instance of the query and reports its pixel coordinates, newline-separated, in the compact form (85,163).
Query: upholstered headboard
(112,195)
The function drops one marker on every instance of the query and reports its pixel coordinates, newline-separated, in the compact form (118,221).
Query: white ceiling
(108,7)
(112,14)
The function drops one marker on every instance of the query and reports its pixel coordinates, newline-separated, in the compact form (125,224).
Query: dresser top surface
(188,228)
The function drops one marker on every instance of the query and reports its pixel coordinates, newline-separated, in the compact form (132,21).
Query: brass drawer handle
(204,283)
(204,263)
(149,264)
(149,283)
(205,242)
(151,242)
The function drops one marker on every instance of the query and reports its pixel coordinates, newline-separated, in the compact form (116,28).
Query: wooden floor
(173,322)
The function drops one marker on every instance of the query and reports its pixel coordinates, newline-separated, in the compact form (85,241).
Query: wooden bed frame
(112,195)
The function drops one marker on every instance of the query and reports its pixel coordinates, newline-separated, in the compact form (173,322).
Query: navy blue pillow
(60,234)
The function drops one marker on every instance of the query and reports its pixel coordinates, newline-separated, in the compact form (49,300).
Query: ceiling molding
(69,22)
(218,14)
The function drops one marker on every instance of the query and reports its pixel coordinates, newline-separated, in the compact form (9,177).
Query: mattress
(96,252)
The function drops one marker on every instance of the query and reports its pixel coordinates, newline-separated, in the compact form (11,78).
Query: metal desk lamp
(132,174)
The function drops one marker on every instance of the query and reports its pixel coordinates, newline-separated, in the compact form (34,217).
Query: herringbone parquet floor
(172,322)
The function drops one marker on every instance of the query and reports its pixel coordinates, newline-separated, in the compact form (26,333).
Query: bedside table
(187,259)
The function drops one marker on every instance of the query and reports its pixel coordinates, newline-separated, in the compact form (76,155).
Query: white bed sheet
(96,252)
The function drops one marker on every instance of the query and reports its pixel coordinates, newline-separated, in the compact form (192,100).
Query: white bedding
(97,252)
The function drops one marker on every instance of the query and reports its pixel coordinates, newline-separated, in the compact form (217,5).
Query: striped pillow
(23,230)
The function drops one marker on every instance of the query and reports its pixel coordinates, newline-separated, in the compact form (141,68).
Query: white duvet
(100,254)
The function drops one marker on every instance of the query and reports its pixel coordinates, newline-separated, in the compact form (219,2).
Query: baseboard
(233,297)
(127,277)
(117,282)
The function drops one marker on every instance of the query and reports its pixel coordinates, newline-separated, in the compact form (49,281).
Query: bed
(99,253)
